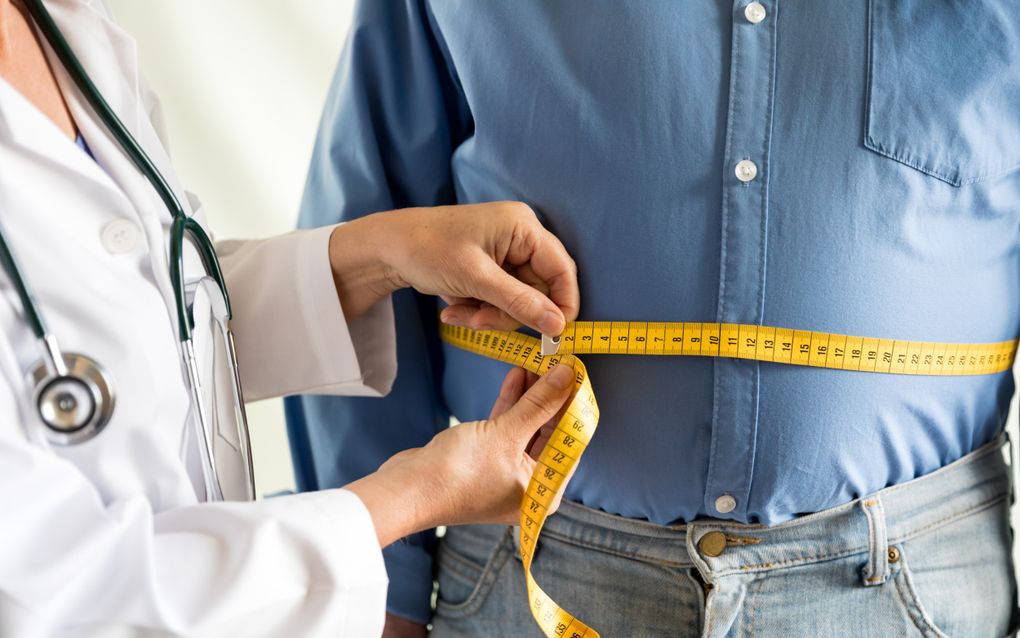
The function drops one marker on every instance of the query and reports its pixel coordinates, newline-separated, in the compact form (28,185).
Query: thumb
(519,300)
(540,403)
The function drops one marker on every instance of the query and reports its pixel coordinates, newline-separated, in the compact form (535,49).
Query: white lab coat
(108,537)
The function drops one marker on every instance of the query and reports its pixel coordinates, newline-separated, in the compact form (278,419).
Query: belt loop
(876,571)
(515,538)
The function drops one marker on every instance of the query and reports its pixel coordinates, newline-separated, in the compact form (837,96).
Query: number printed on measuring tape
(575,429)
(782,345)
(555,463)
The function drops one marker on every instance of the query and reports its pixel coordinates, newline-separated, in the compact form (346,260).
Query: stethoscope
(73,394)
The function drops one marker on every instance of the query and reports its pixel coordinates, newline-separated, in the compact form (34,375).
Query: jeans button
(894,555)
(712,544)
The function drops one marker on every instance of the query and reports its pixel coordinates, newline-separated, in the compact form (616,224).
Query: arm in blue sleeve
(392,119)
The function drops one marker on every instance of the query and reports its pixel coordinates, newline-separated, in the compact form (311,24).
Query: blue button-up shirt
(881,197)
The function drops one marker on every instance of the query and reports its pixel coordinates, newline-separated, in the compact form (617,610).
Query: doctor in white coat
(111,536)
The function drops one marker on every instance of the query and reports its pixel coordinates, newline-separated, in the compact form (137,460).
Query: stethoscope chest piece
(76,405)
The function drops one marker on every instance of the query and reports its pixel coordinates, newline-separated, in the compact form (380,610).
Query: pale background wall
(242,83)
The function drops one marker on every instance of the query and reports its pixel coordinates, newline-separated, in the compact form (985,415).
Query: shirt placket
(745,183)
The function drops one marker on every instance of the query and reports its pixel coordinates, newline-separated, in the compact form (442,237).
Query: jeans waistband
(870,524)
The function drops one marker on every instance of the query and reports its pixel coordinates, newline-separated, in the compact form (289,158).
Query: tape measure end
(550,345)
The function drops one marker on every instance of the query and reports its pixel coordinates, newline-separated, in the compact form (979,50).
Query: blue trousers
(930,557)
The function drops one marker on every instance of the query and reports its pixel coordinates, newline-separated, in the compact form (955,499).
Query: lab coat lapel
(27,128)
(109,56)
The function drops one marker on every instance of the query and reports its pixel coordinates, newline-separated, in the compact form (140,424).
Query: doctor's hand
(471,473)
(494,264)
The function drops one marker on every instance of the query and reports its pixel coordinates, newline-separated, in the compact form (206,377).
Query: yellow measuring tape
(740,341)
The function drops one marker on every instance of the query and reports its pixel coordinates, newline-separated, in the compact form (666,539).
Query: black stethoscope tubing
(72,394)
(182,223)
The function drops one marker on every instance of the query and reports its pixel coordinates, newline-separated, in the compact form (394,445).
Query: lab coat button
(746,170)
(120,236)
(754,12)
(725,504)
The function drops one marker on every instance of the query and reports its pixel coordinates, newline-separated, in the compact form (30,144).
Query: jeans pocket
(957,580)
(944,87)
(469,559)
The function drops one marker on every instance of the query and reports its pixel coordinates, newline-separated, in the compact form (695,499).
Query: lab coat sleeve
(72,564)
(288,325)
(394,116)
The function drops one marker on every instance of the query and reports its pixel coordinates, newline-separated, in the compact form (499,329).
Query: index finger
(549,259)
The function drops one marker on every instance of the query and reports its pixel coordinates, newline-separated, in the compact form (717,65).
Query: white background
(242,84)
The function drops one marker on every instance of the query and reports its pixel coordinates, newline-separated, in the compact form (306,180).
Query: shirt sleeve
(392,119)
(74,564)
(289,328)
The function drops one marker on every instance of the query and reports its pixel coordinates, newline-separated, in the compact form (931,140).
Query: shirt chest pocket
(944,86)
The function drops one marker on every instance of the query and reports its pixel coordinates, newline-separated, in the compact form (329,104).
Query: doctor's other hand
(471,473)
(494,264)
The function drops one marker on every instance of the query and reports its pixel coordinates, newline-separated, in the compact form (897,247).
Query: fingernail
(560,377)
(550,323)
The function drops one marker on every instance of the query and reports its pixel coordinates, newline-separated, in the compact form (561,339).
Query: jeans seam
(993,446)
(850,552)
(841,509)
(755,588)
(700,593)
(912,604)
(802,560)
(614,552)
(460,565)
(983,505)
(483,587)
(709,618)
(577,514)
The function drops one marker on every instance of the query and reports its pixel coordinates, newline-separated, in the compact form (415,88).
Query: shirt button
(754,12)
(725,504)
(120,236)
(712,544)
(746,170)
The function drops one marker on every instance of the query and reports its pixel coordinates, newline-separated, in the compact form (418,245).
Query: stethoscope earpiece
(75,405)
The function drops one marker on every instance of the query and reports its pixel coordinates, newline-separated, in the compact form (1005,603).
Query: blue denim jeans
(931,557)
